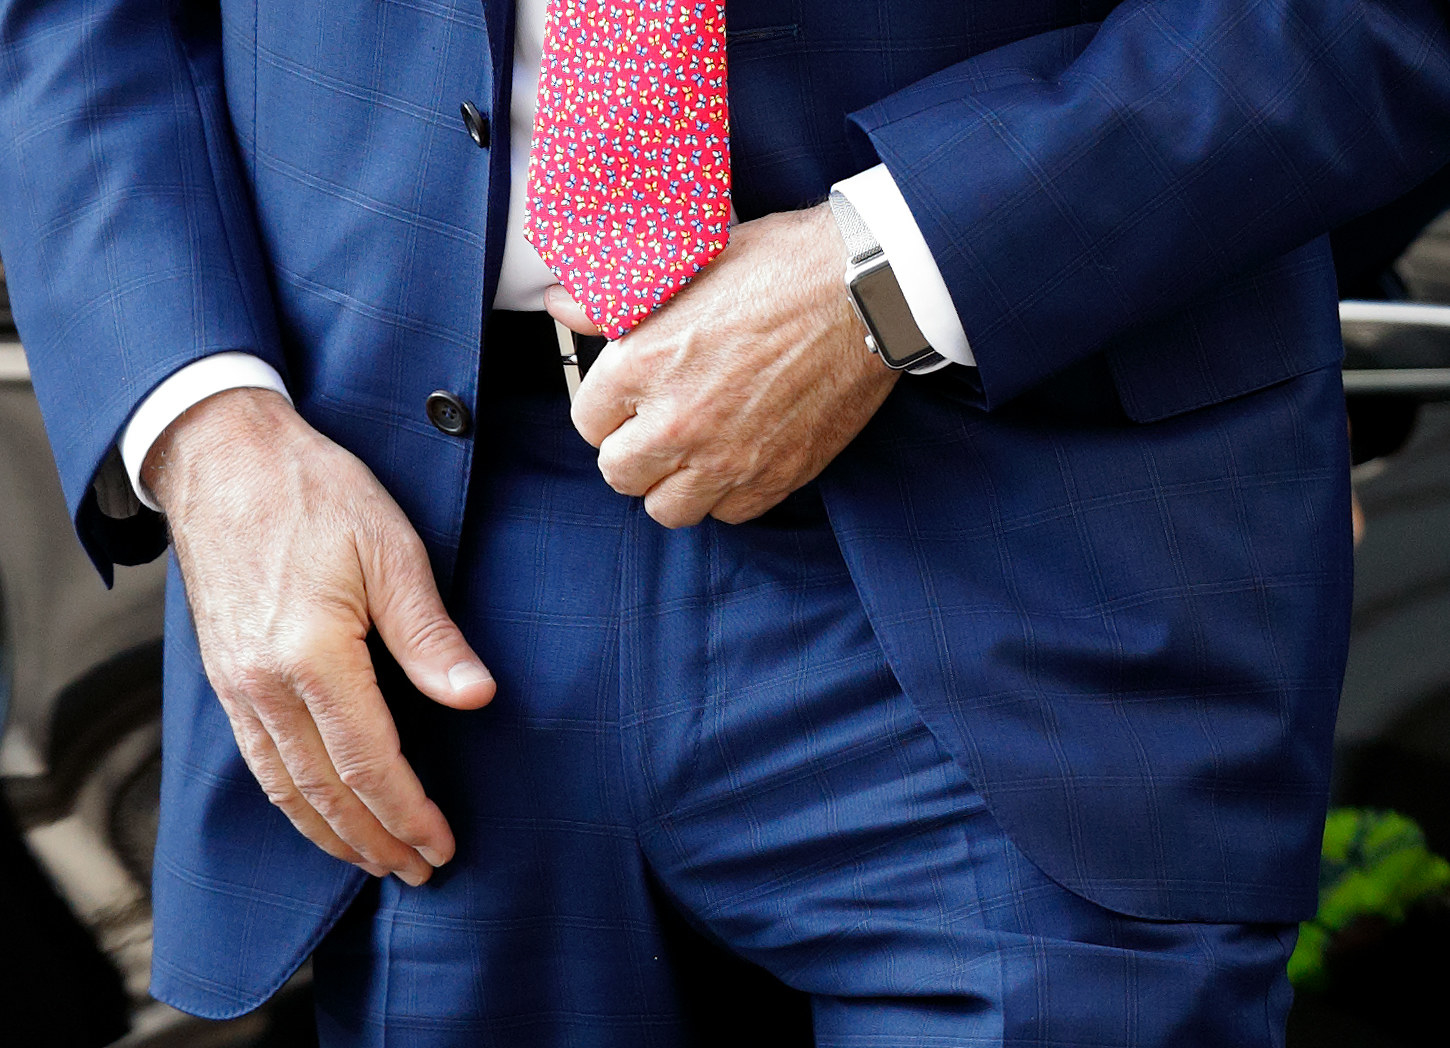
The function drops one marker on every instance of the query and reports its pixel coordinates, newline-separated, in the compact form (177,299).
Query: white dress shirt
(524,277)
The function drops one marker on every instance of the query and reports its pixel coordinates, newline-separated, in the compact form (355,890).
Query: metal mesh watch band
(860,241)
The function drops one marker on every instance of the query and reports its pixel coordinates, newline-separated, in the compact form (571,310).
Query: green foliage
(1375,865)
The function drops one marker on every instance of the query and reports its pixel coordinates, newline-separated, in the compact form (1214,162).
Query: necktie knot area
(629,174)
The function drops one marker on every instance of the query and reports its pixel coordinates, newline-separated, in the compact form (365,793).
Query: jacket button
(447,413)
(476,123)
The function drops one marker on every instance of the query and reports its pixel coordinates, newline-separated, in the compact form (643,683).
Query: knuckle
(249,676)
(733,514)
(335,847)
(378,846)
(300,679)
(581,415)
(616,467)
(675,429)
(745,504)
(311,777)
(364,777)
(253,748)
(711,471)
(430,636)
(313,783)
(396,541)
(671,513)
(411,831)
(395,855)
(283,798)
(285,663)
(329,802)
(643,353)
(283,795)
(319,789)
(294,664)
(610,466)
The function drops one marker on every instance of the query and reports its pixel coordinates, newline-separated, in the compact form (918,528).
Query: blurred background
(80,674)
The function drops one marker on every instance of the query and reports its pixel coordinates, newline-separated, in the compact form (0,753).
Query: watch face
(883,307)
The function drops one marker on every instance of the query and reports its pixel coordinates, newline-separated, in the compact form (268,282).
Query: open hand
(290,549)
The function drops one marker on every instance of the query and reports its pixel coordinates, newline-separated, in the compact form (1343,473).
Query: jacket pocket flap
(1257,331)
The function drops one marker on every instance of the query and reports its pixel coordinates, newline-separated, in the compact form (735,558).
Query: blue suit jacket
(1111,566)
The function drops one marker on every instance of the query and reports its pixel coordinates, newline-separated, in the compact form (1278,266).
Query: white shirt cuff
(182,389)
(874,195)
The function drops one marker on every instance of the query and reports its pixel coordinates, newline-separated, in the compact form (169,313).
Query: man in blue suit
(985,705)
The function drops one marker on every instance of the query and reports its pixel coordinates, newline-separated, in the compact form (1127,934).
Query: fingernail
(433,858)
(465,674)
(412,878)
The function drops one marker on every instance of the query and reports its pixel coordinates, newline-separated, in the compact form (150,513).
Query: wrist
(834,256)
(224,423)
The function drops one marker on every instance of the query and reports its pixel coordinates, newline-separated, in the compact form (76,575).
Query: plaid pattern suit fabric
(773,784)
(1108,567)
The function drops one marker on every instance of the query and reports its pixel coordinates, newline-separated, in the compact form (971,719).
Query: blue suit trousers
(698,751)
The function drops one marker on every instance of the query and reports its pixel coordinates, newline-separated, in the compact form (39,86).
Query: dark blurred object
(1393,734)
(80,763)
(1365,255)
(7,322)
(56,989)
(1374,958)
(1389,982)
(1394,724)
(1379,426)
(1366,250)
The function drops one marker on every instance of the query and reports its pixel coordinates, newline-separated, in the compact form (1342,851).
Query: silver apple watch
(892,333)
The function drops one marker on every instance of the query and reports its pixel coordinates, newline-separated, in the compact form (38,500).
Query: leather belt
(526,352)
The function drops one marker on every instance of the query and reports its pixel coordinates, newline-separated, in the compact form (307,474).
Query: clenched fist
(743,386)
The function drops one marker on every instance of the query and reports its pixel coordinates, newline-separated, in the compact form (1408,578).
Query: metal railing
(1396,349)
(1391,349)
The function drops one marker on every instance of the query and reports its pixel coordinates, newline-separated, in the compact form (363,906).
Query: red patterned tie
(629,175)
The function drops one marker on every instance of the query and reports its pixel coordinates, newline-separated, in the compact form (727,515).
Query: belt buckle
(577,353)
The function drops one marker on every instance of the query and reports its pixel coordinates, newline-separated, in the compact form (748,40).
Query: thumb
(562,307)
(404,605)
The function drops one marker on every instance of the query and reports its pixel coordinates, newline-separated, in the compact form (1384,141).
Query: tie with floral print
(629,174)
